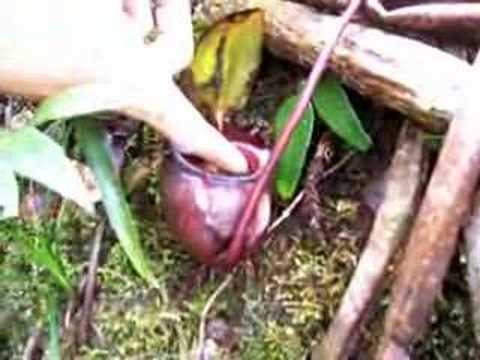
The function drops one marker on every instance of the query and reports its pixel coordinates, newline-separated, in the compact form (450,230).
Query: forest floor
(276,306)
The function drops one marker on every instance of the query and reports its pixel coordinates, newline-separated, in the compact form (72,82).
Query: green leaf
(32,154)
(39,251)
(291,164)
(92,141)
(8,193)
(241,58)
(332,105)
(80,100)
(92,98)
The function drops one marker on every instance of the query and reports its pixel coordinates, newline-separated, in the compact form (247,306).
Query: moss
(135,321)
(275,342)
(450,334)
(23,284)
(276,313)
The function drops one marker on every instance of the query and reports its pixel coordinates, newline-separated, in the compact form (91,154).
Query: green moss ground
(274,312)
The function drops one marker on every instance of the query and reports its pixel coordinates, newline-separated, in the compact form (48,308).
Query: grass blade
(32,154)
(53,329)
(92,141)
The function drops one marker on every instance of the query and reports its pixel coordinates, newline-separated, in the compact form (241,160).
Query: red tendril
(237,247)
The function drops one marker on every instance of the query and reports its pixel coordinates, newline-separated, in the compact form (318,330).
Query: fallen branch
(460,16)
(90,285)
(456,18)
(403,184)
(434,235)
(418,80)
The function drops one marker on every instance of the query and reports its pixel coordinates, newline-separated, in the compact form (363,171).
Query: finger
(140,12)
(192,134)
(164,107)
(172,114)
(175,42)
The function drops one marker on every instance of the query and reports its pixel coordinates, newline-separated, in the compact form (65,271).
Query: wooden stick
(434,236)
(89,294)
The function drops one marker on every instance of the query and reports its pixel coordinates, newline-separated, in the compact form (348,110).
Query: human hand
(46,49)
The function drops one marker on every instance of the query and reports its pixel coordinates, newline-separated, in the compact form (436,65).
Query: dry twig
(33,349)
(285,214)
(90,285)
(203,319)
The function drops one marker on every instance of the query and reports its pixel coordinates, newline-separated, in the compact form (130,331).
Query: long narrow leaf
(53,329)
(81,100)
(32,154)
(334,108)
(39,252)
(292,162)
(92,141)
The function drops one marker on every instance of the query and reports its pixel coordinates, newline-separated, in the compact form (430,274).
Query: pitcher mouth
(189,166)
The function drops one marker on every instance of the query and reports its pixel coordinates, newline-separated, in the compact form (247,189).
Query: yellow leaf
(204,65)
(225,62)
(241,57)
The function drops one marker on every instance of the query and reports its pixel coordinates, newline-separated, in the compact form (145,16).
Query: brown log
(328,4)
(403,184)
(451,18)
(416,79)
(434,235)
(341,4)
(431,17)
